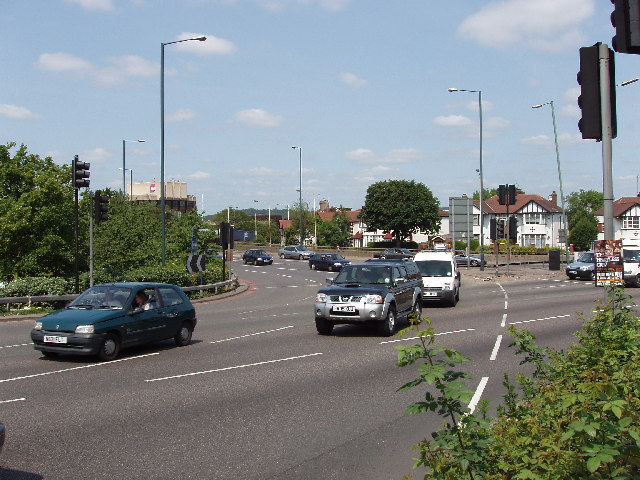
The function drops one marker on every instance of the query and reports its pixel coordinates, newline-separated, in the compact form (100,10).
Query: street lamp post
(124,181)
(479,92)
(300,190)
(255,222)
(564,212)
(162,195)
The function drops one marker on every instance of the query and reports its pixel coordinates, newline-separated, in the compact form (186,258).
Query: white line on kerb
(496,347)
(436,334)
(13,400)
(252,334)
(76,368)
(504,320)
(233,368)
(476,396)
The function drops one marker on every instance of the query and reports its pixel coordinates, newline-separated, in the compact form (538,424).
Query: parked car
(376,291)
(463,259)
(392,253)
(257,257)
(105,319)
(295,251)
(327,261)
(584,268)
(440,277)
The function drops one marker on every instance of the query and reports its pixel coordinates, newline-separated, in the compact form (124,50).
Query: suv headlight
(373,299)
(84,329)
(38,326)
(321,298)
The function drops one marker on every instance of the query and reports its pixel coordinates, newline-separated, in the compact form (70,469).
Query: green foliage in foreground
(576,416)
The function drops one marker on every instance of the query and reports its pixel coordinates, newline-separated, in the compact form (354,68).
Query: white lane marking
(540,319)
(504,320)
(13,400)
(76,368)
(234,367)
(478,393)
(17,345)
(496,347)
(436,334)
(253,334)
(506,297)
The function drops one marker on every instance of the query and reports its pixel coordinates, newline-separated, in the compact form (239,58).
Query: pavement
(528,271)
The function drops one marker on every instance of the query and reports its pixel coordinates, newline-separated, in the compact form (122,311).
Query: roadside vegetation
(576,416)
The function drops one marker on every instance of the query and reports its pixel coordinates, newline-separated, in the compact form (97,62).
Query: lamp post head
(200,39)
(452,89)
(627,82)
(538,106)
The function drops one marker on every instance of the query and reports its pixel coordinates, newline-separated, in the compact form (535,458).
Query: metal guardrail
(8,301)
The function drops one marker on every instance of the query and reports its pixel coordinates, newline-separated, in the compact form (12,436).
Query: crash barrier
(28,300)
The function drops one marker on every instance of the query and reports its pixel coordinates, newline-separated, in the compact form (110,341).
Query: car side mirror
(328,281)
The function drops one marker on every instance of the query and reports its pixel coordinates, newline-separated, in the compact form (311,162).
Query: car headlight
(84,329)
(38,326)
(447,286)
(373,299)
(321,298)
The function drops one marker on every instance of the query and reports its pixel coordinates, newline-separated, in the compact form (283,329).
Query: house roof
(491,205)
(621,205)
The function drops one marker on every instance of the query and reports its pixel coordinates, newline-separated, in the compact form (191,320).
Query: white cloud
(63,62)
(198,176)
(135,66)
(495,123)
(256,117)
(537,140)
(96,155)
(211,46)
(181,115)
(369,157)
(452,121)
(104,5)
(352,80)
(544,25)
(17,113)
(275,5)
(264,172)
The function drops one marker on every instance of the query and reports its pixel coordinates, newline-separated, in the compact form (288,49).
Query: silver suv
(295,251)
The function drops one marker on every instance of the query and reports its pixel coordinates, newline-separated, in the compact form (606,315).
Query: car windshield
(434,268)
(587,258)
(259,252)
(334,256)
(364,274)
(103,296)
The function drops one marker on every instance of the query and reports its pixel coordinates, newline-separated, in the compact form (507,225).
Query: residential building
(176,197)
(626,220)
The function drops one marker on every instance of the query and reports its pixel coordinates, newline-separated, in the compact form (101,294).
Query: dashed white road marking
(13,400)
(252,334)
(436,334)
(496,347)
(478,394)
(540,319)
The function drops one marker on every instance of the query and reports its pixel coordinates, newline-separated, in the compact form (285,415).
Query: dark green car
(107,318)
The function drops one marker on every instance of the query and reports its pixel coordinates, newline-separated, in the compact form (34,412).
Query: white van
(440,277)
(631,259)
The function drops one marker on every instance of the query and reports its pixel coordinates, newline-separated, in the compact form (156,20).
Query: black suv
(376,291)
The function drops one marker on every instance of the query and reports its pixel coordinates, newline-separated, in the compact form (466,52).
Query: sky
(361,86)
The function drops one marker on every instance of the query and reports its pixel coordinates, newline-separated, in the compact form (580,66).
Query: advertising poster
(609,266)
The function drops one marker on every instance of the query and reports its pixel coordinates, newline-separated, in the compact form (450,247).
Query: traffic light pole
(75,234)
(607,134)
(91,241)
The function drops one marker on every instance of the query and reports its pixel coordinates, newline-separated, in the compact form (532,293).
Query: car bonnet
(68,319)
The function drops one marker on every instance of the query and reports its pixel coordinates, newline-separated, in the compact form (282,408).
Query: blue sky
(360,85)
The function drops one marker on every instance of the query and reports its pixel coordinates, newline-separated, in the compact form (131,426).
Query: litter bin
(554,259)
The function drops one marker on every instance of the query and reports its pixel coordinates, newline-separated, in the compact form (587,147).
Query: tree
(584,231)
(36,216)
(334,232)
(400,207)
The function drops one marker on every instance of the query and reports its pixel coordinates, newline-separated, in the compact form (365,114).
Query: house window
(631,222)
(537,240)
(533,218)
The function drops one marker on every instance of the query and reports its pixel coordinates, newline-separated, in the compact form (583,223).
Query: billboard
(609,266)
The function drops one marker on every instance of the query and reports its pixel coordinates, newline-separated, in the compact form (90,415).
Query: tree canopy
(400,207)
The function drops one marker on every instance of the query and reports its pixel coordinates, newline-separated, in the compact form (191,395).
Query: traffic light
(80,173)
(100,207)
(513,229)
(507,194)
(492,229)
(589,101)
(512,194)
(500,229)
(625,18)
(502,194)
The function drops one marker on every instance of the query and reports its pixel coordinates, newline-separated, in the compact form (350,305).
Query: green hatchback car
(105,319)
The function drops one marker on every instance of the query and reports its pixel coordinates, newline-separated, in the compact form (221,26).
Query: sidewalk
(535,271)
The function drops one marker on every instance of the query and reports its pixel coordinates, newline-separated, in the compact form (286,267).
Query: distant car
(107,318)
(394,253)
(257,257)
(584,268)
(295,251)
(327,261)
(463,260)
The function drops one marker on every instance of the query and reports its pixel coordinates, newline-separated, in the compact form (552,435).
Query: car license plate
(55,339)
(430,294)
(344,308)
(572,271)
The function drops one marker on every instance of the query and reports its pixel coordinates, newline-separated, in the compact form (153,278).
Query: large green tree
(583,224)
(36,215)
(400,207)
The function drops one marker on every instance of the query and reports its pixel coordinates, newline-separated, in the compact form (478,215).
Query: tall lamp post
(479,92)
(300,190)
(564,211)
(124,156)
(162,196)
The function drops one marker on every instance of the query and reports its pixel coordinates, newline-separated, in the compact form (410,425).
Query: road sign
(194,245)
(196,263)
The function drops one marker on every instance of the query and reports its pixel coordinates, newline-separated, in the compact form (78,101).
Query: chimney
(553,198)
(324,205)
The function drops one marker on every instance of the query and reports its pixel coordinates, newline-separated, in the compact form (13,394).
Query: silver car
(295,251)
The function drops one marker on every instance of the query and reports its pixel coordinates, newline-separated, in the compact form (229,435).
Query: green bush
(35,286)
(576,417)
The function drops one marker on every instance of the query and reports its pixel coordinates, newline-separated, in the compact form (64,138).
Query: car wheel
(281,255)
(571,277)
(299,257)
(110,348)
(388,325)
(183,336)
(592,276)
(244,260)
(330,268)
(324,327)
(50,354)
(417,309)
(475,263)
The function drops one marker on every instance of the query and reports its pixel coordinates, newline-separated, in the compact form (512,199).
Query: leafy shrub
(35,286)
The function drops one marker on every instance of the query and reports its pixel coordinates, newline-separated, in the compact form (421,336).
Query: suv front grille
(345,298)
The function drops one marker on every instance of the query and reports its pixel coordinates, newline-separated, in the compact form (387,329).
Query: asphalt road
(258,394)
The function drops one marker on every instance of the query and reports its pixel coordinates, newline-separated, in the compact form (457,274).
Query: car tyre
(184,334)
(571,277)
(299,257)
(330,268)
(417,308)
(388,325)
(475,263)
(636,281)
(281,255)
(50,354)
(110,348)
(592,276)
(323,326)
